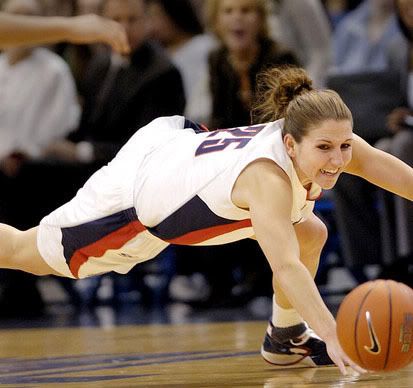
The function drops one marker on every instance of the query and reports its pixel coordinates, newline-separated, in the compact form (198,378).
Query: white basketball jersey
(183,190)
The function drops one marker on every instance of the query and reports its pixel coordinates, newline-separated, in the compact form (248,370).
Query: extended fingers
(354,366)
(341,366)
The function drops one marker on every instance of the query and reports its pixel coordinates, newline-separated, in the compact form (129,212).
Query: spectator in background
(338,9)
(177,27)
(304,27)
(78,56)
(361,41)
(245,49)
(400,144)
(102,128)
(124,93)
(399,59)
(38,105)
(361,38)
(29,123)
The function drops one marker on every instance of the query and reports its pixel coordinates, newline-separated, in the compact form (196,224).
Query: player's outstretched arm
(21,29)
(266,191)
(380,168)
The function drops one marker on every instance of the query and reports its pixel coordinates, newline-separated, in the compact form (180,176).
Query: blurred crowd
(65,110)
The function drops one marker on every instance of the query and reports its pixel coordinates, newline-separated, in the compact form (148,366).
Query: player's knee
(8,244)
(21,252)
(318,236)
(321,232)
(312,235)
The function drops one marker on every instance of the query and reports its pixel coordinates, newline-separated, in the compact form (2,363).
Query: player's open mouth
(329,172)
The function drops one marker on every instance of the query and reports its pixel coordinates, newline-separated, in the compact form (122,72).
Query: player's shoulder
(262,180)
(266,172)
(264,185)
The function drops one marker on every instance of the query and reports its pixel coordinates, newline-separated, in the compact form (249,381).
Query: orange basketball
(375,325)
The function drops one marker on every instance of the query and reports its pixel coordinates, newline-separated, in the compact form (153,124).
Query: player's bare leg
(18,250)
(288,340)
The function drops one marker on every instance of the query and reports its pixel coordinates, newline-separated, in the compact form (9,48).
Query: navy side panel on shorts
(194,219)
(95,237)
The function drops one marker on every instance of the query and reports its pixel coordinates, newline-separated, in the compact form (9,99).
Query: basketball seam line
(386,360)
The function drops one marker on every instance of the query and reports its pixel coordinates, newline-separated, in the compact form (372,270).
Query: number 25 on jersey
(239,136)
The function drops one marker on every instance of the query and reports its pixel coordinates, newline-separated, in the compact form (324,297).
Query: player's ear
(290,145)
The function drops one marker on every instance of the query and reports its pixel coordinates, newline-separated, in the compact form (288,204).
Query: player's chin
(327,184)
(328,187)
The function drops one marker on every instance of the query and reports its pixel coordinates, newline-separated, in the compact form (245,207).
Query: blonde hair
(262,7)
(287,92)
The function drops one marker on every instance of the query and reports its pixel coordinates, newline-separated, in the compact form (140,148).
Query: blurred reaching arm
(25,30)
(381,169)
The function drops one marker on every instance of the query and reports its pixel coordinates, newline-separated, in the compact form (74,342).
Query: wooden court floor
(187,355)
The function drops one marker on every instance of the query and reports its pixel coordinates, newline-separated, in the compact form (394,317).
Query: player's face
(238,24)
(323,153)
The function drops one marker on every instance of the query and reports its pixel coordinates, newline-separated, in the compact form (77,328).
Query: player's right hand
(337,354)
(96,29)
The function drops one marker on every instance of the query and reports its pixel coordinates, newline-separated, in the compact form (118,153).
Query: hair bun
(301,88)
(276,88)
(292,91)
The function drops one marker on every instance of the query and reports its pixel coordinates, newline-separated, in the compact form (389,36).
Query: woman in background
(245,49)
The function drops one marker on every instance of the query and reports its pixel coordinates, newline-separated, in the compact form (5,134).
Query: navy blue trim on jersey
(197,127)
(194,215)
(82,235)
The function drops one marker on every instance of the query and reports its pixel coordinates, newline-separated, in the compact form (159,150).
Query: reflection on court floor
(191,355)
